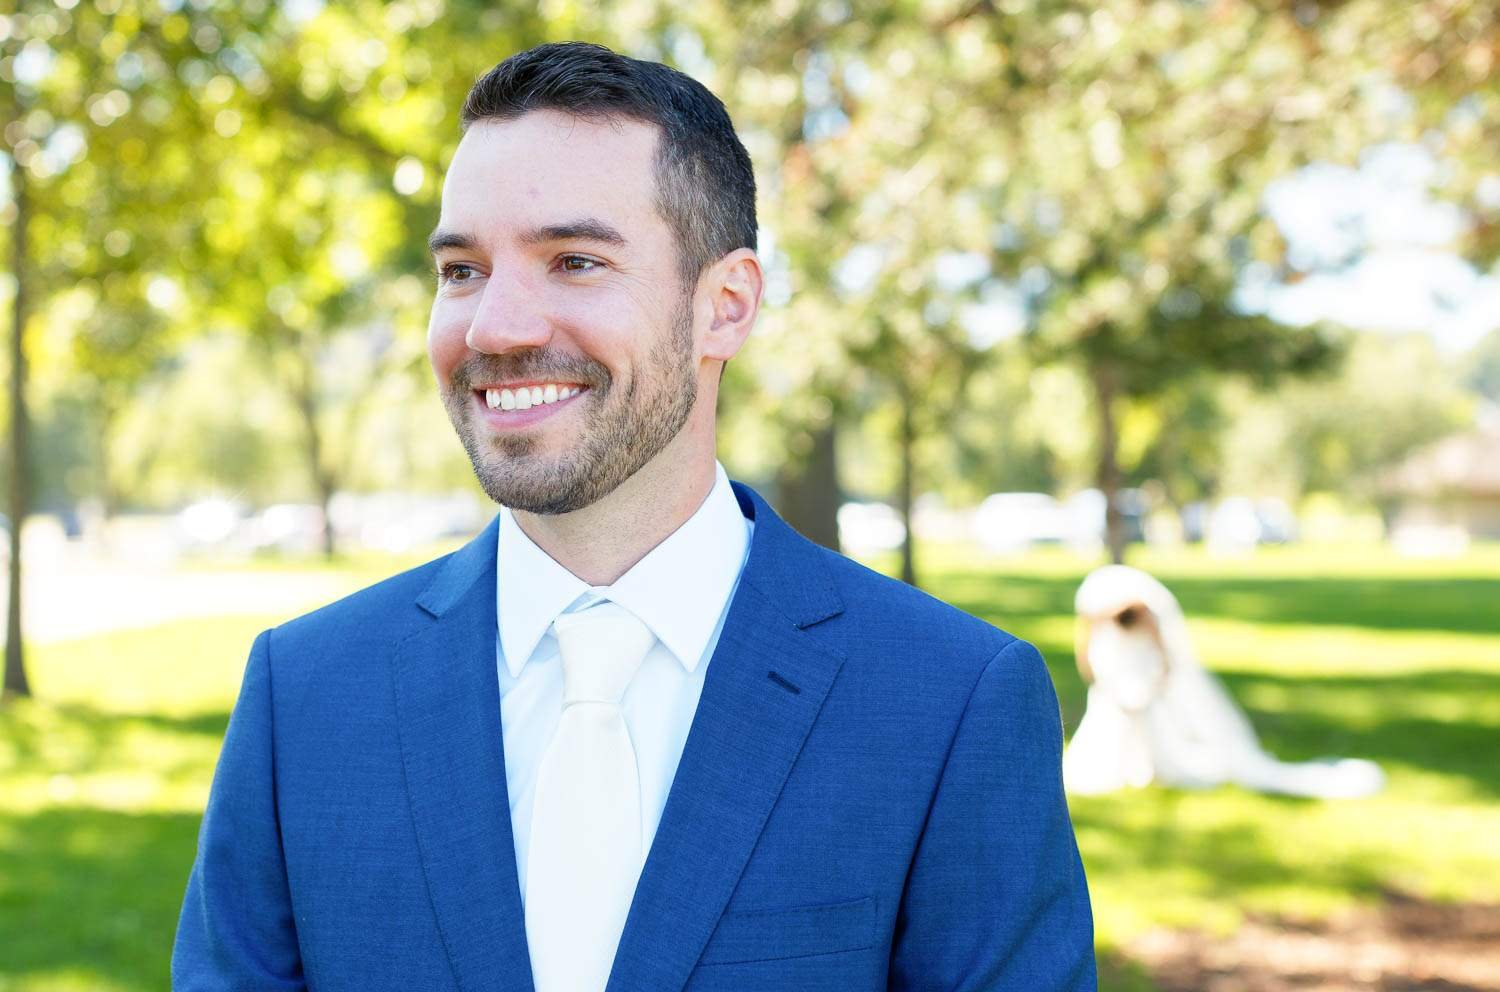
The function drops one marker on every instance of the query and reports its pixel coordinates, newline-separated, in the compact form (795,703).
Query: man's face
(560,334)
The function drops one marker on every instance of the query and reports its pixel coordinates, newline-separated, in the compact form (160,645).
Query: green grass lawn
(103,775)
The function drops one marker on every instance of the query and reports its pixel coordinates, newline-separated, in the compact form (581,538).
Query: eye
(577,263)
(455,272)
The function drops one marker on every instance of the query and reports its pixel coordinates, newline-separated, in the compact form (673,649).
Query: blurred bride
(1154,714)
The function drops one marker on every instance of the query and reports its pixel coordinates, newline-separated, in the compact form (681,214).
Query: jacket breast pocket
(774,934)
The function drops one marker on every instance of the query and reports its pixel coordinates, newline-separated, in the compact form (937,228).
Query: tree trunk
(326,489)
(808,491)
(109,499)
(323,480)
(1107,475)
(904,497)
(20,475)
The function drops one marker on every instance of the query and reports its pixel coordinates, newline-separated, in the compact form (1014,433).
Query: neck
(601,542)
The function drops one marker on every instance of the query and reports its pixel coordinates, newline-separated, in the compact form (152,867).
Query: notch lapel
(448,716)
(745,737)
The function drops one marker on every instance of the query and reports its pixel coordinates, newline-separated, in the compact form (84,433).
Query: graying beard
(574,488)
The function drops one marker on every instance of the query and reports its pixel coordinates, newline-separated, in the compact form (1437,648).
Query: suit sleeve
(237,930)
(995,898)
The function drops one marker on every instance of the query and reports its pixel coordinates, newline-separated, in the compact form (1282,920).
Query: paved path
(73,596)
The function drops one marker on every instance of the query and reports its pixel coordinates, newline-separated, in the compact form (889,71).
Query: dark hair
(705,189)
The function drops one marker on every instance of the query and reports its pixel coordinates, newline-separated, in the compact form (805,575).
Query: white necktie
(586,853)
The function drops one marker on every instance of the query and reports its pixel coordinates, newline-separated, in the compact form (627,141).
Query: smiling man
(639,734)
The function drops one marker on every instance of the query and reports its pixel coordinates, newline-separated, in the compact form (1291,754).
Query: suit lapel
(764,687)
(763,690)
(448,716)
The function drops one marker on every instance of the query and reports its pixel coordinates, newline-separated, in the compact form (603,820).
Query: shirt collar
(679,589)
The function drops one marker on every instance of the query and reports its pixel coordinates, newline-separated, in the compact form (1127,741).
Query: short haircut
(705,187)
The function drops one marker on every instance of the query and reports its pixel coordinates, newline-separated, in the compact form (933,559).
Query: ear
(733,286)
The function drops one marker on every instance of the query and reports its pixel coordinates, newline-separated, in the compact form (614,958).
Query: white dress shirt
(681,590)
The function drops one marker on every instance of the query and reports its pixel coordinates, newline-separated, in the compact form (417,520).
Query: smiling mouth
(527,396)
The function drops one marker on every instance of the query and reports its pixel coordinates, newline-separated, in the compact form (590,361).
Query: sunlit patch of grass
(65,755)
(182,668)
(368,565)
(103,776)
(65,979)
(1339,649)
(87,893)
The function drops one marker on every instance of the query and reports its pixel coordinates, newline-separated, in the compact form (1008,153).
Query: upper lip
(528,383)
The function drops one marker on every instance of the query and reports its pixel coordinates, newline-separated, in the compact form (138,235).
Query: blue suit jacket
(869,798)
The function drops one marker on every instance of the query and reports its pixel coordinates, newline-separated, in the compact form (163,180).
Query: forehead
(545,166)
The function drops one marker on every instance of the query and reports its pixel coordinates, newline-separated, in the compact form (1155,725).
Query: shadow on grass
(98,732)
(85,890)
(1117,973)
(1217,863)
(212,724)
(1391,730)
(1449,605)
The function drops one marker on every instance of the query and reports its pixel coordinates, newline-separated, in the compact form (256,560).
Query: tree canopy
(962,201)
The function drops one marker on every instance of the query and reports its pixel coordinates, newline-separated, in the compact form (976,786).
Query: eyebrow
(584,229)
(441,240)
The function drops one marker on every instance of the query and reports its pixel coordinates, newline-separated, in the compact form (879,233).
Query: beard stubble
(624,427)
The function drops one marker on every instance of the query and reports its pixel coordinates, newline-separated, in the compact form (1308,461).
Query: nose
(509,317)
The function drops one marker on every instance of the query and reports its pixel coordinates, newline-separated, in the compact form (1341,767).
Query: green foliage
(1105,164)
(1182,441)
(1335,434)
(1014,428)
(210,167)
(213,425)
(1484,367)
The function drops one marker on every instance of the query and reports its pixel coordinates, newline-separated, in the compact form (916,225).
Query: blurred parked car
(868,527)
(288,528)
(1010,522)
(1239,522)
(208,524)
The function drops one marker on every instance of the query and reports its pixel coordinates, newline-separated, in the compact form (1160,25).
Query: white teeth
(526,397)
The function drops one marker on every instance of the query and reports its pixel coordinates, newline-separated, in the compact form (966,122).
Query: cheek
(447,327)
(602,328)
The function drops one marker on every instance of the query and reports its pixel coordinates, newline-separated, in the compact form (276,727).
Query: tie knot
(602,648)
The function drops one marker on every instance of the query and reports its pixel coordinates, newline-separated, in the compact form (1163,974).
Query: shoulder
(386,612)
(880,625)
(370,621)
(893,634)
(945,665)
(885,607)
(916,676)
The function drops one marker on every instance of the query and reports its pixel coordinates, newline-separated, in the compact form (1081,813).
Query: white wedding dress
(1154,714)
